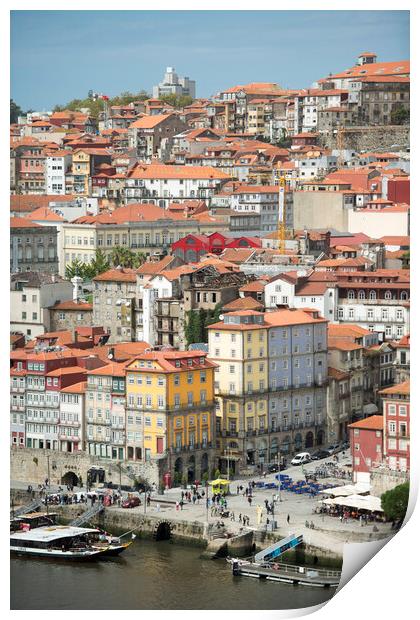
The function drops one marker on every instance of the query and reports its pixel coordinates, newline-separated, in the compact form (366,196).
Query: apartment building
(171,403)
(105,420)
(32,294)
(271,383)
(114,303)
(32,247)
(71,432)
(396,420)
(165,183)
(377,300)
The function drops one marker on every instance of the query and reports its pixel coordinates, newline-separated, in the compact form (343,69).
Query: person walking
(288,519)
(249,500)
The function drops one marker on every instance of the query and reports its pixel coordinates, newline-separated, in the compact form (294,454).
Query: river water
(150,575)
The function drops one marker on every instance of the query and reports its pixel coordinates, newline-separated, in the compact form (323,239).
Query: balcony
(18,390)
(17,407)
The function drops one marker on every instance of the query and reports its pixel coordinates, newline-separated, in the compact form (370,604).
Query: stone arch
(191,469)
(298,442)
(70,478)
(320,438)
(162,531)
(250,453)
(309,440)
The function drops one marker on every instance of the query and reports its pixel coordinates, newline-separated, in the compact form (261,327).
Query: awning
(345,490)
(220,482)
(361,502)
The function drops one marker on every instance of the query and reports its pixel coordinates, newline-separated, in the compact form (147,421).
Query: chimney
(76,281)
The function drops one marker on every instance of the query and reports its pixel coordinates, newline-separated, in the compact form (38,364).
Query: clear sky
(60,55)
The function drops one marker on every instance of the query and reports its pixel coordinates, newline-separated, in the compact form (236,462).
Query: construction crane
(281,229)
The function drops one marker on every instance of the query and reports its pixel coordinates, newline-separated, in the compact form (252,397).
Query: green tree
(406,260)
(100,263)
(177,101)
(400,116)
(96,106)
(15,111)
(75,268)
(394,502)
(193,330)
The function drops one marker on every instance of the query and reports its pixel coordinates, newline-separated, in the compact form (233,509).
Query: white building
(165,183)
(172,84)
(31,295)
(56,167)
(72,409)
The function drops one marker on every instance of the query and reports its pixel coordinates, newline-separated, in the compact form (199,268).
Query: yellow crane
(281,229)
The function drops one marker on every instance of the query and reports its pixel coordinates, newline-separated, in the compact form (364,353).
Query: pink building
(366,446)
(396,415)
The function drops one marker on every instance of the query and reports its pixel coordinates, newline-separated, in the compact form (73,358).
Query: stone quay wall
(382,480)
(31,466)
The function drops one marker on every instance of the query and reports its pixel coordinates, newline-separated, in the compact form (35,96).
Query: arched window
(362,295)
(388,295)
(350,295)
(404,295)
(372,295)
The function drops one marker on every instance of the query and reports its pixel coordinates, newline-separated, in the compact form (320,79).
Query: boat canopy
(51,533)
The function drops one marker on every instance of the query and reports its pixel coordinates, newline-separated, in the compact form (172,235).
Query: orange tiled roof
(400,388)
(76,388)
(149,122)
(23,222)
(163,171)
(45,214)
(117,275)
(243,303)
(79,306)
(377,69)
(372,423)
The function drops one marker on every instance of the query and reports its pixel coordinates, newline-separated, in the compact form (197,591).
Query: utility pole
(49,482)
(278,462)
(207,501)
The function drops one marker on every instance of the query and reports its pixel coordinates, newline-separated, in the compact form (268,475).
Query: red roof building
(366,446)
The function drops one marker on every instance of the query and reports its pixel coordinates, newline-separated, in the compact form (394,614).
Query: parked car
(301,458)
(131,502)
(319,454)
(274,468)
(333,449)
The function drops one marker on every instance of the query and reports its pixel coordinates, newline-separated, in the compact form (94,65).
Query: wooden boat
(66,543)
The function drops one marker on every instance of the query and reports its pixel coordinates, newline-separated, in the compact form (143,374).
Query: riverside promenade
(290,512)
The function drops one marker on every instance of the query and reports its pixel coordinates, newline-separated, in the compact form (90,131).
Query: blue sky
(59,55)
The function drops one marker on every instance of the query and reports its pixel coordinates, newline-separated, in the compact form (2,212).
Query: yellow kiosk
(220,486)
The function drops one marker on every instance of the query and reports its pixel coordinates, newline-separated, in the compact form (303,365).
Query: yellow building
(170,393)
(239,346)
(271,384)
(81,172)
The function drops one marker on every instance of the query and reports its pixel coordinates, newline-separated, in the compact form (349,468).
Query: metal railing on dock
(87,515)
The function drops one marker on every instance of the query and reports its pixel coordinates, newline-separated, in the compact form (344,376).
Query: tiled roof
(117,275)
(377,69)
(66,370)
(151,268)
(45,214)
(23,222)
(78,306)
(243,303)
(372,423)
(162,171)
(400,388)
(253,287)
(76,388)
(149,122)
(338,375)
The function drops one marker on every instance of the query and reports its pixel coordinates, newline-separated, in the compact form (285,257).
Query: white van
(301,458)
